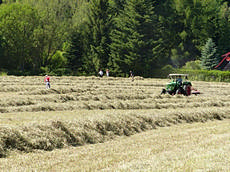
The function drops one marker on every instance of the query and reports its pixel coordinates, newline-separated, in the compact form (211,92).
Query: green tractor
(179,85)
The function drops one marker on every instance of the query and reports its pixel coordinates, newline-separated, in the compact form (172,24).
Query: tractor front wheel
(163,91)
(188,90)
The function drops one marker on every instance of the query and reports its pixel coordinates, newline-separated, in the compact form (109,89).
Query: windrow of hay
(58,134)
(49,97)
(73,102)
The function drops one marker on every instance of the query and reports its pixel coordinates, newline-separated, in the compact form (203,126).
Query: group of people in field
(100,74)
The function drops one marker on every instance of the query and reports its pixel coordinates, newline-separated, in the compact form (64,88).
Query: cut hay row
(74,102)
(96,129)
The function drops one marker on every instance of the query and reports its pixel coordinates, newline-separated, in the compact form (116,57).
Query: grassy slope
(184,147)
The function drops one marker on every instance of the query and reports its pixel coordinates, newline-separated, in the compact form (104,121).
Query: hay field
(28,94)
(78,111)
(184,147)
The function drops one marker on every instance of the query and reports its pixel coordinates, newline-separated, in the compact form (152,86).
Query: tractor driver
(179,80)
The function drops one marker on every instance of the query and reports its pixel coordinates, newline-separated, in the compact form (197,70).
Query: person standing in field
(100,73)
(47,81)
(107,72)
(131,75)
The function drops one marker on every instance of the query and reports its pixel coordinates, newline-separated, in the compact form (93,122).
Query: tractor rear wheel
(188,90)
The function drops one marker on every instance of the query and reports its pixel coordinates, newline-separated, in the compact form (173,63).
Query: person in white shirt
(100,73)
(107,72)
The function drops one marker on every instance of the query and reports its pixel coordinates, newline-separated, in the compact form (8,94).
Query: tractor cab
(179,78)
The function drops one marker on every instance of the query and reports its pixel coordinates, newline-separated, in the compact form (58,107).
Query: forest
(79,37)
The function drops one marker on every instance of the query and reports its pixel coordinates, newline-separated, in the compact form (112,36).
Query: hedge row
(199,75)
(207,75)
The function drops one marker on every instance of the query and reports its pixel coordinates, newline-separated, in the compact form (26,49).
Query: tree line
(79,37)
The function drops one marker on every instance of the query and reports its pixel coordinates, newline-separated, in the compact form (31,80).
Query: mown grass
(86,110)
(38,134)
(183,147)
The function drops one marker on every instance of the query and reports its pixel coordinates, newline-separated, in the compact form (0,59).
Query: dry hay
(57,134)
(28,94)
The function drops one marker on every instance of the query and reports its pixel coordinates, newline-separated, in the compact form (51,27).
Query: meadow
(95,115)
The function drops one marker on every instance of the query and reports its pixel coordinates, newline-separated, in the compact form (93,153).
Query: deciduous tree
(17,26)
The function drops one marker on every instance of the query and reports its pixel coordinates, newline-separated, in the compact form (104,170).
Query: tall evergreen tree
(209,58)
(75,53)
(96,36)
(133,38)
(167,33)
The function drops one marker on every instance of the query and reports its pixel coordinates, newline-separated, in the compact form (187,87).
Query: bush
(3,73)
(207,75)
(164,71)
(193,65)
(58,60)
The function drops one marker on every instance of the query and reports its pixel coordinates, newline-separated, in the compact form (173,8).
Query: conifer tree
(133,37)
(209,58)
(96,36)
(75,53)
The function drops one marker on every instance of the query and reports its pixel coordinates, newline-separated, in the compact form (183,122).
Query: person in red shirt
(47,81)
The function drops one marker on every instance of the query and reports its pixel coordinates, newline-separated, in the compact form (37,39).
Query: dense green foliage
(82,36)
